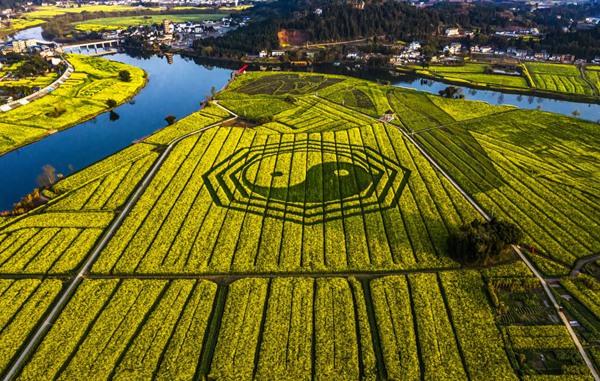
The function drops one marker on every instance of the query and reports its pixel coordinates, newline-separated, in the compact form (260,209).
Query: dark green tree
(125,76)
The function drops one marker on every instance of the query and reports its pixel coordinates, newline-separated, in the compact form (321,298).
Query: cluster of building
(178,35)
(518,32)
(27,46)
(511,52)
(409,54)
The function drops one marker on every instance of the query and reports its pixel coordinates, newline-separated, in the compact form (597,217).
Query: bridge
(100,47)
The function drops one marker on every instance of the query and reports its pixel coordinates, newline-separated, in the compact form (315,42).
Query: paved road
(45,91)
(74,283)
(586,358)
(582,262)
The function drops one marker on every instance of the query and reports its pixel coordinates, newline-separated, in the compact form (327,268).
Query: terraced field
(309,245)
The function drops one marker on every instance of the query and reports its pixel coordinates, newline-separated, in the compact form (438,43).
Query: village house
(452,32)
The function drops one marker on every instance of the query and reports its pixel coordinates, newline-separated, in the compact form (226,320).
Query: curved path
(87,265)
(582,262)
(594,88)
(481,211)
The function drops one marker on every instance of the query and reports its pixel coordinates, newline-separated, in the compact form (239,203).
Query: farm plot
(237,261)
(547,350)
(534,168)
(558,77)
(22,305)
(82,96)
(284,328)
(56,238)
(126,329)
(586,291)
(49,242)
(592,73)
(475,73)
(350,199)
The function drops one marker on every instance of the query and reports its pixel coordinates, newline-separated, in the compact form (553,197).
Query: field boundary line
(558,309)
(590,84)
(63,298)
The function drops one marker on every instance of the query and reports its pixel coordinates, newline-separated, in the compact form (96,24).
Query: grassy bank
(81,97)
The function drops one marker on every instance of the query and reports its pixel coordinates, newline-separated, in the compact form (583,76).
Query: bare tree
(48,176)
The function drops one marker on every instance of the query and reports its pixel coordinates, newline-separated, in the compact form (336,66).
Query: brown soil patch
(292,37)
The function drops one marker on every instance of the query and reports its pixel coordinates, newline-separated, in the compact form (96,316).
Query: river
(178,89)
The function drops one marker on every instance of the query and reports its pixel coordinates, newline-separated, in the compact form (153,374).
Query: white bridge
(93,48)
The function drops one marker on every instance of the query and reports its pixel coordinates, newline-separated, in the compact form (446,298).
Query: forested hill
(5,4)
(397,21)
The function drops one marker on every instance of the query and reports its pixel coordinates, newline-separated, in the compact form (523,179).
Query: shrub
(125,76)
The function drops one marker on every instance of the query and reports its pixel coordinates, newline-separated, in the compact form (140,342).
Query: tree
(479,243)
(48,176)
(125,76)
(452,92)
(113,116)
(170,119)
(111,103)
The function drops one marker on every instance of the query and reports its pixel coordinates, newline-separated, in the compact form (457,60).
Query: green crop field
(81,97)
(558,77)
(534,168)
(40,81)
(304,240)
(592,73)
(474,73)
(112,23)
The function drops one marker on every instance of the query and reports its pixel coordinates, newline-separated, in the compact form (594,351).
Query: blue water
(176,89)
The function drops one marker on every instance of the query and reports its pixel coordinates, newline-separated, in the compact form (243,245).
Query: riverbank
(80,98)
(524,91)
(173,88)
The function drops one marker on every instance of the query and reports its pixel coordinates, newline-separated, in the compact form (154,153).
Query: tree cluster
(480,242)
(34,66)
(452,92)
